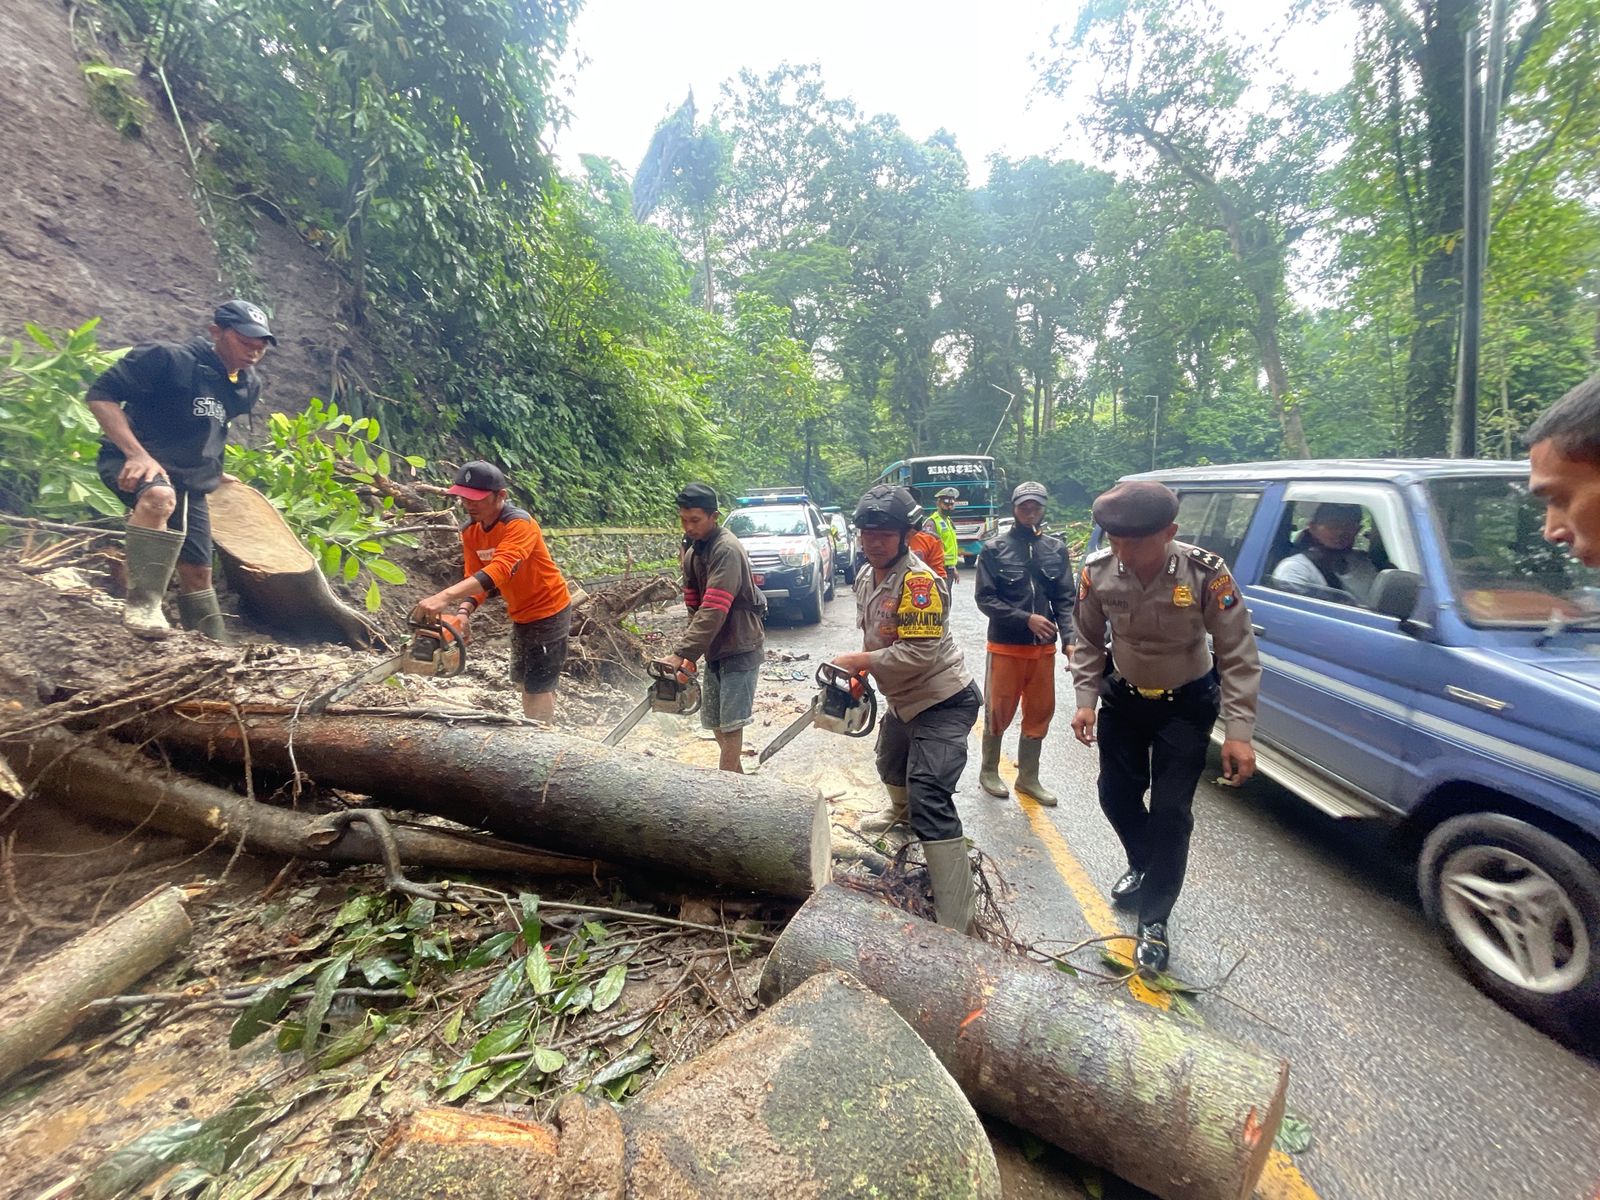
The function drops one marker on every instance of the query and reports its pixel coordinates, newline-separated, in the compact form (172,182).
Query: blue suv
(1430,661)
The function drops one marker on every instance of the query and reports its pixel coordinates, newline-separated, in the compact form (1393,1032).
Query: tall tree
(1175,86)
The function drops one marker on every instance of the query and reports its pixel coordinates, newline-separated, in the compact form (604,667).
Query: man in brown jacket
(902,608)
(727,615)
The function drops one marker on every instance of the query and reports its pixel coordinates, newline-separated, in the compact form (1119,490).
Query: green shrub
(48,436)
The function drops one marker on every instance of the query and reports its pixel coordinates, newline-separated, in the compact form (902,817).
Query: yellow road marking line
(1280,1178)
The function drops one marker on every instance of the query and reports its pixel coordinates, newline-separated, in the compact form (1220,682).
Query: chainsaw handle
(854,682)
(660,668)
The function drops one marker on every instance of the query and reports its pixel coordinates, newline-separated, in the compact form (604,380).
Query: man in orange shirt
(1025,589)
(506,554)
(926,545)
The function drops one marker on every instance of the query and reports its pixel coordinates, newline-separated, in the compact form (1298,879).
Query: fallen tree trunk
(1176,1110)
(278,579)
(828,1094)
(558,792)
(113,781)
(47,1003)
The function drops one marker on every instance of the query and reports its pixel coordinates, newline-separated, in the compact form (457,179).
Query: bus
(979,506)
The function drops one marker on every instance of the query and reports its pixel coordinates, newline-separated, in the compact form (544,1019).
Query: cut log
(547,789)
(1174,1109)
(114,782)
(442,1152)
(277,579)
(38,1010)
(828,1093)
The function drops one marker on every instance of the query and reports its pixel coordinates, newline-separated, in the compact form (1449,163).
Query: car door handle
(1258,630)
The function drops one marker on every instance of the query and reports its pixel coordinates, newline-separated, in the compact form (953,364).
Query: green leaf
(347,1045)
(609,987)
(502,1040)
(1294,1135)
(596,931)
(501,994)
(421,913)
(540,977)
(548,1061)
(356,909)
(352,568)
(626,1065)
(379,970)
(331,557)
(503,1077)
(491,948)
(322,991)
(386,570)
(374,599)
(465,1084)
(452,1027)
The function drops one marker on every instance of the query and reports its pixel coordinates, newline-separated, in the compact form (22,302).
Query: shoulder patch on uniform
(1208,560)
(1099,555)
(920,613)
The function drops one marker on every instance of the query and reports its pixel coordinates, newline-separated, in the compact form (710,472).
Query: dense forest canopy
(788,288)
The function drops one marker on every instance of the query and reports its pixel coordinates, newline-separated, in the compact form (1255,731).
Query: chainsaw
(844,703)
(672,690)
(436,647)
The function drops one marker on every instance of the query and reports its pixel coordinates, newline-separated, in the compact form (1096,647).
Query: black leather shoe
(1127,887)
(1151,956)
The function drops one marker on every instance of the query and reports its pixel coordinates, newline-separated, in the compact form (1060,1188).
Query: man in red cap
(506,554)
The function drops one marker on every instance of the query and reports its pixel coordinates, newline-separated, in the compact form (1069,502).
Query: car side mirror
(1394,593)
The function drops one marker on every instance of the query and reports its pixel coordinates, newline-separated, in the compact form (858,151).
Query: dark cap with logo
(698,495)
(1138,508)
(249,319)
(478,481)
(1029,489)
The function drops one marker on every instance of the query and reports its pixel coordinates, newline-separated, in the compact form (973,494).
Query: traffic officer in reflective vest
(903,610)
(1160,687)
(943,526)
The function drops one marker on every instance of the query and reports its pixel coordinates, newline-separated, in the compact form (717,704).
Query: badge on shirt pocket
(1182,596)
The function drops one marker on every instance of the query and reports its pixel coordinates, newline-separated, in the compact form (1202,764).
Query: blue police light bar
(774,496)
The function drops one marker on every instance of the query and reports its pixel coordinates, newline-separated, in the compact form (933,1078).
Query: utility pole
(1155,425)
(1481,110)
(1001,424)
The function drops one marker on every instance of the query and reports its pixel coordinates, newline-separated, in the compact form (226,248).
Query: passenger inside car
(1326,562)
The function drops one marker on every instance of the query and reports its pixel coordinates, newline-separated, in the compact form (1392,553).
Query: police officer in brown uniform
(903,608)
(1160,687)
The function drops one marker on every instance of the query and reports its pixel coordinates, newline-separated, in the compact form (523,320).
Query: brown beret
(1137,508)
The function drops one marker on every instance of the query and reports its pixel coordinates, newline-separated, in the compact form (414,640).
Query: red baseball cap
(478,481)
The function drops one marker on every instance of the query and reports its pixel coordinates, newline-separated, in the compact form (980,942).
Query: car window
(1334,539)
(1505,572)
(759,520)
(1216,521)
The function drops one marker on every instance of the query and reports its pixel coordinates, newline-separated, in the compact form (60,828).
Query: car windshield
(761,521)
(1505,572)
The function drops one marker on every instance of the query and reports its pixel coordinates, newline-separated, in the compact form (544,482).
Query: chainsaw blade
(629,721)
(788,735)
(371,675)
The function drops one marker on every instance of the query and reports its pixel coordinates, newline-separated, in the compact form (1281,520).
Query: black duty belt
(1177,693)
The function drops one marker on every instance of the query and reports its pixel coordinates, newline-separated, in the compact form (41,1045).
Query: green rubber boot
(885,819)
(1028,772)
(150,557)
(200,612)
(989,777)
(955,900)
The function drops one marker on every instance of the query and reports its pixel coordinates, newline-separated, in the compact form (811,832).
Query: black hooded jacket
(1022,572)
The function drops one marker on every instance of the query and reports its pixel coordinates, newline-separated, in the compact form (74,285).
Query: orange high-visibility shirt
(510,557)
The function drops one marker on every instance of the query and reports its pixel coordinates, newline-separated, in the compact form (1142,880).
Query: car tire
(1540,957)
(829,593)
(811,606)
(850,574)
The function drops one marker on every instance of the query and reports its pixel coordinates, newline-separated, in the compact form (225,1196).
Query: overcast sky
(953,64)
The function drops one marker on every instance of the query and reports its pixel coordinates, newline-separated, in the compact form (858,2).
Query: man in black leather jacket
(1025,589)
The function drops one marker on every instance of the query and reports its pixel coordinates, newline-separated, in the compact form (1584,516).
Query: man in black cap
(164,409)
(1326,559)
(1025,589)
(504,553)
(727,615)
(1160,688)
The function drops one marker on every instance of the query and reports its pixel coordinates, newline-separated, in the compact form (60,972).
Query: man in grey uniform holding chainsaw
(903,607)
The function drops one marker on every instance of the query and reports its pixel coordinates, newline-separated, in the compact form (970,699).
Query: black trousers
(926,755)
(1160,745)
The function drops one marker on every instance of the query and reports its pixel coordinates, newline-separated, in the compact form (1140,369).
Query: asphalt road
(1413,1083)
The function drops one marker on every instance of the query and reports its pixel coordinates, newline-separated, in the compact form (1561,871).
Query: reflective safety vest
(946,529)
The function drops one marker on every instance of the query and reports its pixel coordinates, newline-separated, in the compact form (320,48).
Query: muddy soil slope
(93,223)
